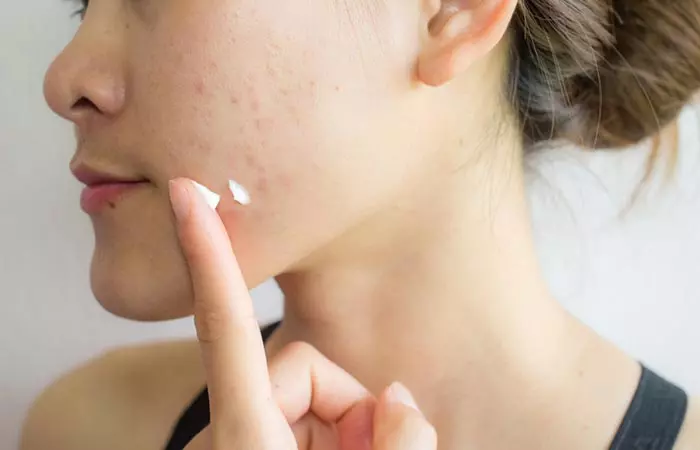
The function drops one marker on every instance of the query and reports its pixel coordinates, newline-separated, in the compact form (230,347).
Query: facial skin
(321,109)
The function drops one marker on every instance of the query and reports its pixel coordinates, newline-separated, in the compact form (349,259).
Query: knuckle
(210,324)
(214,323)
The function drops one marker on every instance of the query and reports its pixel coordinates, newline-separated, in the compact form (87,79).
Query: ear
(460,33)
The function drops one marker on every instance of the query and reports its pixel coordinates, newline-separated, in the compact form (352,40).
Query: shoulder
(129,397)
(689,439)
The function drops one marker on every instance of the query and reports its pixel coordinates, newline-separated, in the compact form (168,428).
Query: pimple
(261,183)
(201,146)
(264,124)
(250,161)
(199,87)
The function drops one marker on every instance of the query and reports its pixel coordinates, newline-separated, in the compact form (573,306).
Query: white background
(633,278)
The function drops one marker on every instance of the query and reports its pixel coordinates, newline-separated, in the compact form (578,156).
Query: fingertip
(397,392)
(395,404)
(180,198)
(398,425)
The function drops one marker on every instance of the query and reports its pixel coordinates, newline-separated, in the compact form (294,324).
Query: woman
(382,144)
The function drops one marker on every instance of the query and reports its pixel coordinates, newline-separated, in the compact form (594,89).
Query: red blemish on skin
(264,124)
(203,147)
(250,161)
(261,184)
(199,87)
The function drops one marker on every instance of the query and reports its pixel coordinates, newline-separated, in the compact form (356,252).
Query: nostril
(83,103)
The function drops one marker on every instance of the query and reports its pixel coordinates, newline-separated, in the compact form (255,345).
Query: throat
(446,295)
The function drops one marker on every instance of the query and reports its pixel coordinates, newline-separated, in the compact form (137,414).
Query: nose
(87,79)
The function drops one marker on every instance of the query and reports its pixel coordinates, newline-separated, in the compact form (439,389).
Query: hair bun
(604,73)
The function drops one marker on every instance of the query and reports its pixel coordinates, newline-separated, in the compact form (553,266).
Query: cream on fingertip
(210,197)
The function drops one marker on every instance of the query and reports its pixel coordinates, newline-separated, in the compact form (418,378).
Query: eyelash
(80,12)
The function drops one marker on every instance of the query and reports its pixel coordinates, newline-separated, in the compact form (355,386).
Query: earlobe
(462,32)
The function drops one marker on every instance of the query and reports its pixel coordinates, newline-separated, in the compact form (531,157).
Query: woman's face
(316,107)
(312,106)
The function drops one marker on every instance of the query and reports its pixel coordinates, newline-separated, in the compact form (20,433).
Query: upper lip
(94,177)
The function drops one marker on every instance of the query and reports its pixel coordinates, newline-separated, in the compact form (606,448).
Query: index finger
(232,348)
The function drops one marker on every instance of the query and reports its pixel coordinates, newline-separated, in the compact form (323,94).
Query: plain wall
(632,278)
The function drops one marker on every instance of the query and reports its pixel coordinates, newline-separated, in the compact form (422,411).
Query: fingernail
(398,393)
(180,201)
(210,197)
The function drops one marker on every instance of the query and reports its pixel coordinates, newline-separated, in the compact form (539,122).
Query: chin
(137,288)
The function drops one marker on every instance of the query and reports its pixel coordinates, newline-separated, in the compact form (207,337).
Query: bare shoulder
(126,398)
(689,438)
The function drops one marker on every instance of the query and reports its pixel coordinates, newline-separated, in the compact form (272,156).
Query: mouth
(104,189)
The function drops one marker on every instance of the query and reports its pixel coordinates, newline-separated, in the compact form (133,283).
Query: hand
(301,400)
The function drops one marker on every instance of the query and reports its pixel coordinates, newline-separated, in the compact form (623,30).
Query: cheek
(238,107)
(290,113)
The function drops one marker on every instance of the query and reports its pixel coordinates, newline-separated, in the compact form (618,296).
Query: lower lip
(95,198)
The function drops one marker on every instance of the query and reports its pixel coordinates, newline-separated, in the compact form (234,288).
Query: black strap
(196,416)
(655,416)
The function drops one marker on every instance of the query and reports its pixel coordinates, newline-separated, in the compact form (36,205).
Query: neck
(446,297)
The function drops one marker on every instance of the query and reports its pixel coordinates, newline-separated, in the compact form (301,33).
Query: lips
(93,177)
(95,198)
(103,189)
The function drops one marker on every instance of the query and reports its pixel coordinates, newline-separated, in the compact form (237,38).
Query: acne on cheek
(259,172)
(199,87)
(264,118)
(264,179)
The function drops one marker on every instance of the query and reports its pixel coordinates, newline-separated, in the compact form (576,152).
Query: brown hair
(603,73)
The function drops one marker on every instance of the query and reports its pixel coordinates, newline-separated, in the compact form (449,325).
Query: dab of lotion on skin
(240,194)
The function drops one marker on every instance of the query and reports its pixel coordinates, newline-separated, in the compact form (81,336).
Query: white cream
(240,194)
(211,198)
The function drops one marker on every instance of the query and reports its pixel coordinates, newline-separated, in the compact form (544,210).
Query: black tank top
(652,422)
